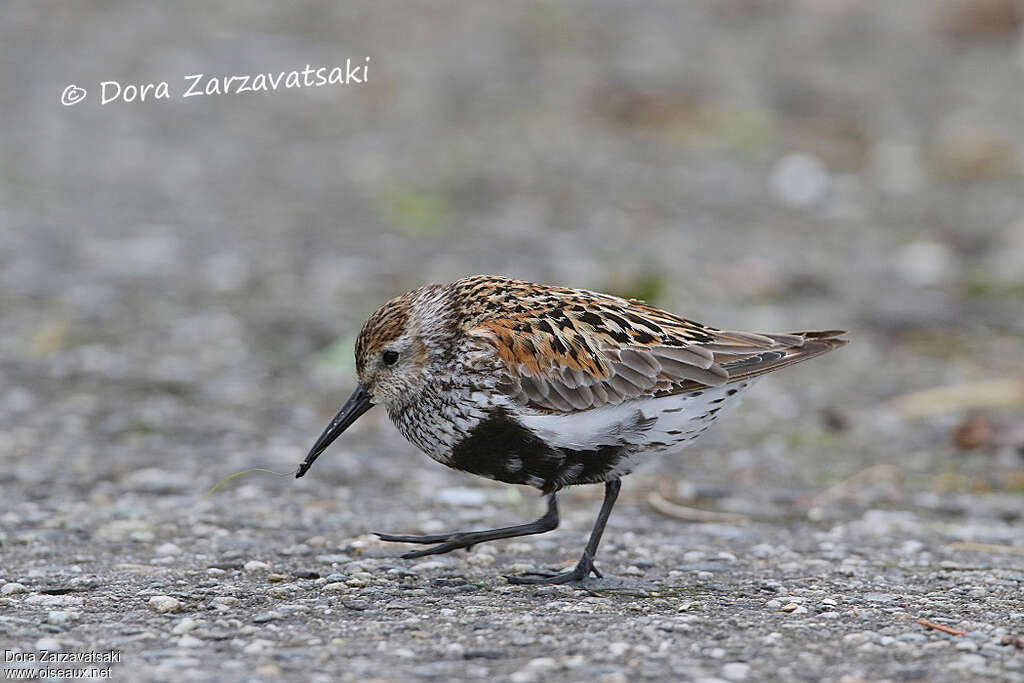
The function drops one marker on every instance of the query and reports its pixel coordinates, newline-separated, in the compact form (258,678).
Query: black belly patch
(501,448)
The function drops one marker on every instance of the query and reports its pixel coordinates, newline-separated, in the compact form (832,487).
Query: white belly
(649,425)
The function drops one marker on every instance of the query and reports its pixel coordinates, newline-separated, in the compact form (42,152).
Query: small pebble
(189,641)
(50,644)
(736,671)
(253,566)
(184,626)
(542,664)
(257,646)
(800,179)
(60,616)
(13,588)
(165,604)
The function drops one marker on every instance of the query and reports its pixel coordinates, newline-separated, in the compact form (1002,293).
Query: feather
(693,355)
(640,361)
(715,375)
(572,350)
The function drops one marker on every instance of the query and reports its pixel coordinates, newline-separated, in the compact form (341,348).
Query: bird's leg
(467,539)
(585,566)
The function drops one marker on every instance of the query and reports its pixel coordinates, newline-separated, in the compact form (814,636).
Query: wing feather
(568,350)
(699,356)
(641,361)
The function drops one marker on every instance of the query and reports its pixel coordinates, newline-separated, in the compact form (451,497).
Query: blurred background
(181,280)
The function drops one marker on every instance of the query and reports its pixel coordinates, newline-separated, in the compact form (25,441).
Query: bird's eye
(389,357)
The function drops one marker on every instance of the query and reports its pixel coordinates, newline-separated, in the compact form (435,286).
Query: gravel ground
(181,282)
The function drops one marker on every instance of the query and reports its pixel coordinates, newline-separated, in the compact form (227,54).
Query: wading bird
(549,387)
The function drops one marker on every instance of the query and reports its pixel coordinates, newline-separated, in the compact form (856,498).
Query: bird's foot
(446,542)
(579,573)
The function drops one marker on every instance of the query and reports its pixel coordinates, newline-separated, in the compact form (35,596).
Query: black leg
(585,566)
(467,539)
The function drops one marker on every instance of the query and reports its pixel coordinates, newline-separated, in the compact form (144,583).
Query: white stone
(184,626)
(167,549)
(736,671)
(542,664)
(911,547)
(257,646)
(60,616)
(54,600)
(165,604)
(48,643)
(12,588)
(800,179)
(256,566)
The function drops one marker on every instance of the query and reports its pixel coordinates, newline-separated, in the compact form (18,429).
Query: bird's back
(570,350)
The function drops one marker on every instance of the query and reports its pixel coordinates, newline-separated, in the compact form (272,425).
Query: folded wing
(587,350)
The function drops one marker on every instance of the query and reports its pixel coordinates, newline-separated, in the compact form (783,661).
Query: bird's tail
(794,347)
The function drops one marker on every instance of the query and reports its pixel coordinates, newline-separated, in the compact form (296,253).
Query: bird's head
(399,345)
(392,355)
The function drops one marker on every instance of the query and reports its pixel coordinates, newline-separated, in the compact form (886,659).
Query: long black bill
(357,404)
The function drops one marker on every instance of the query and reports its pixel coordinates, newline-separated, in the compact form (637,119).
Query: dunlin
(549,387)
